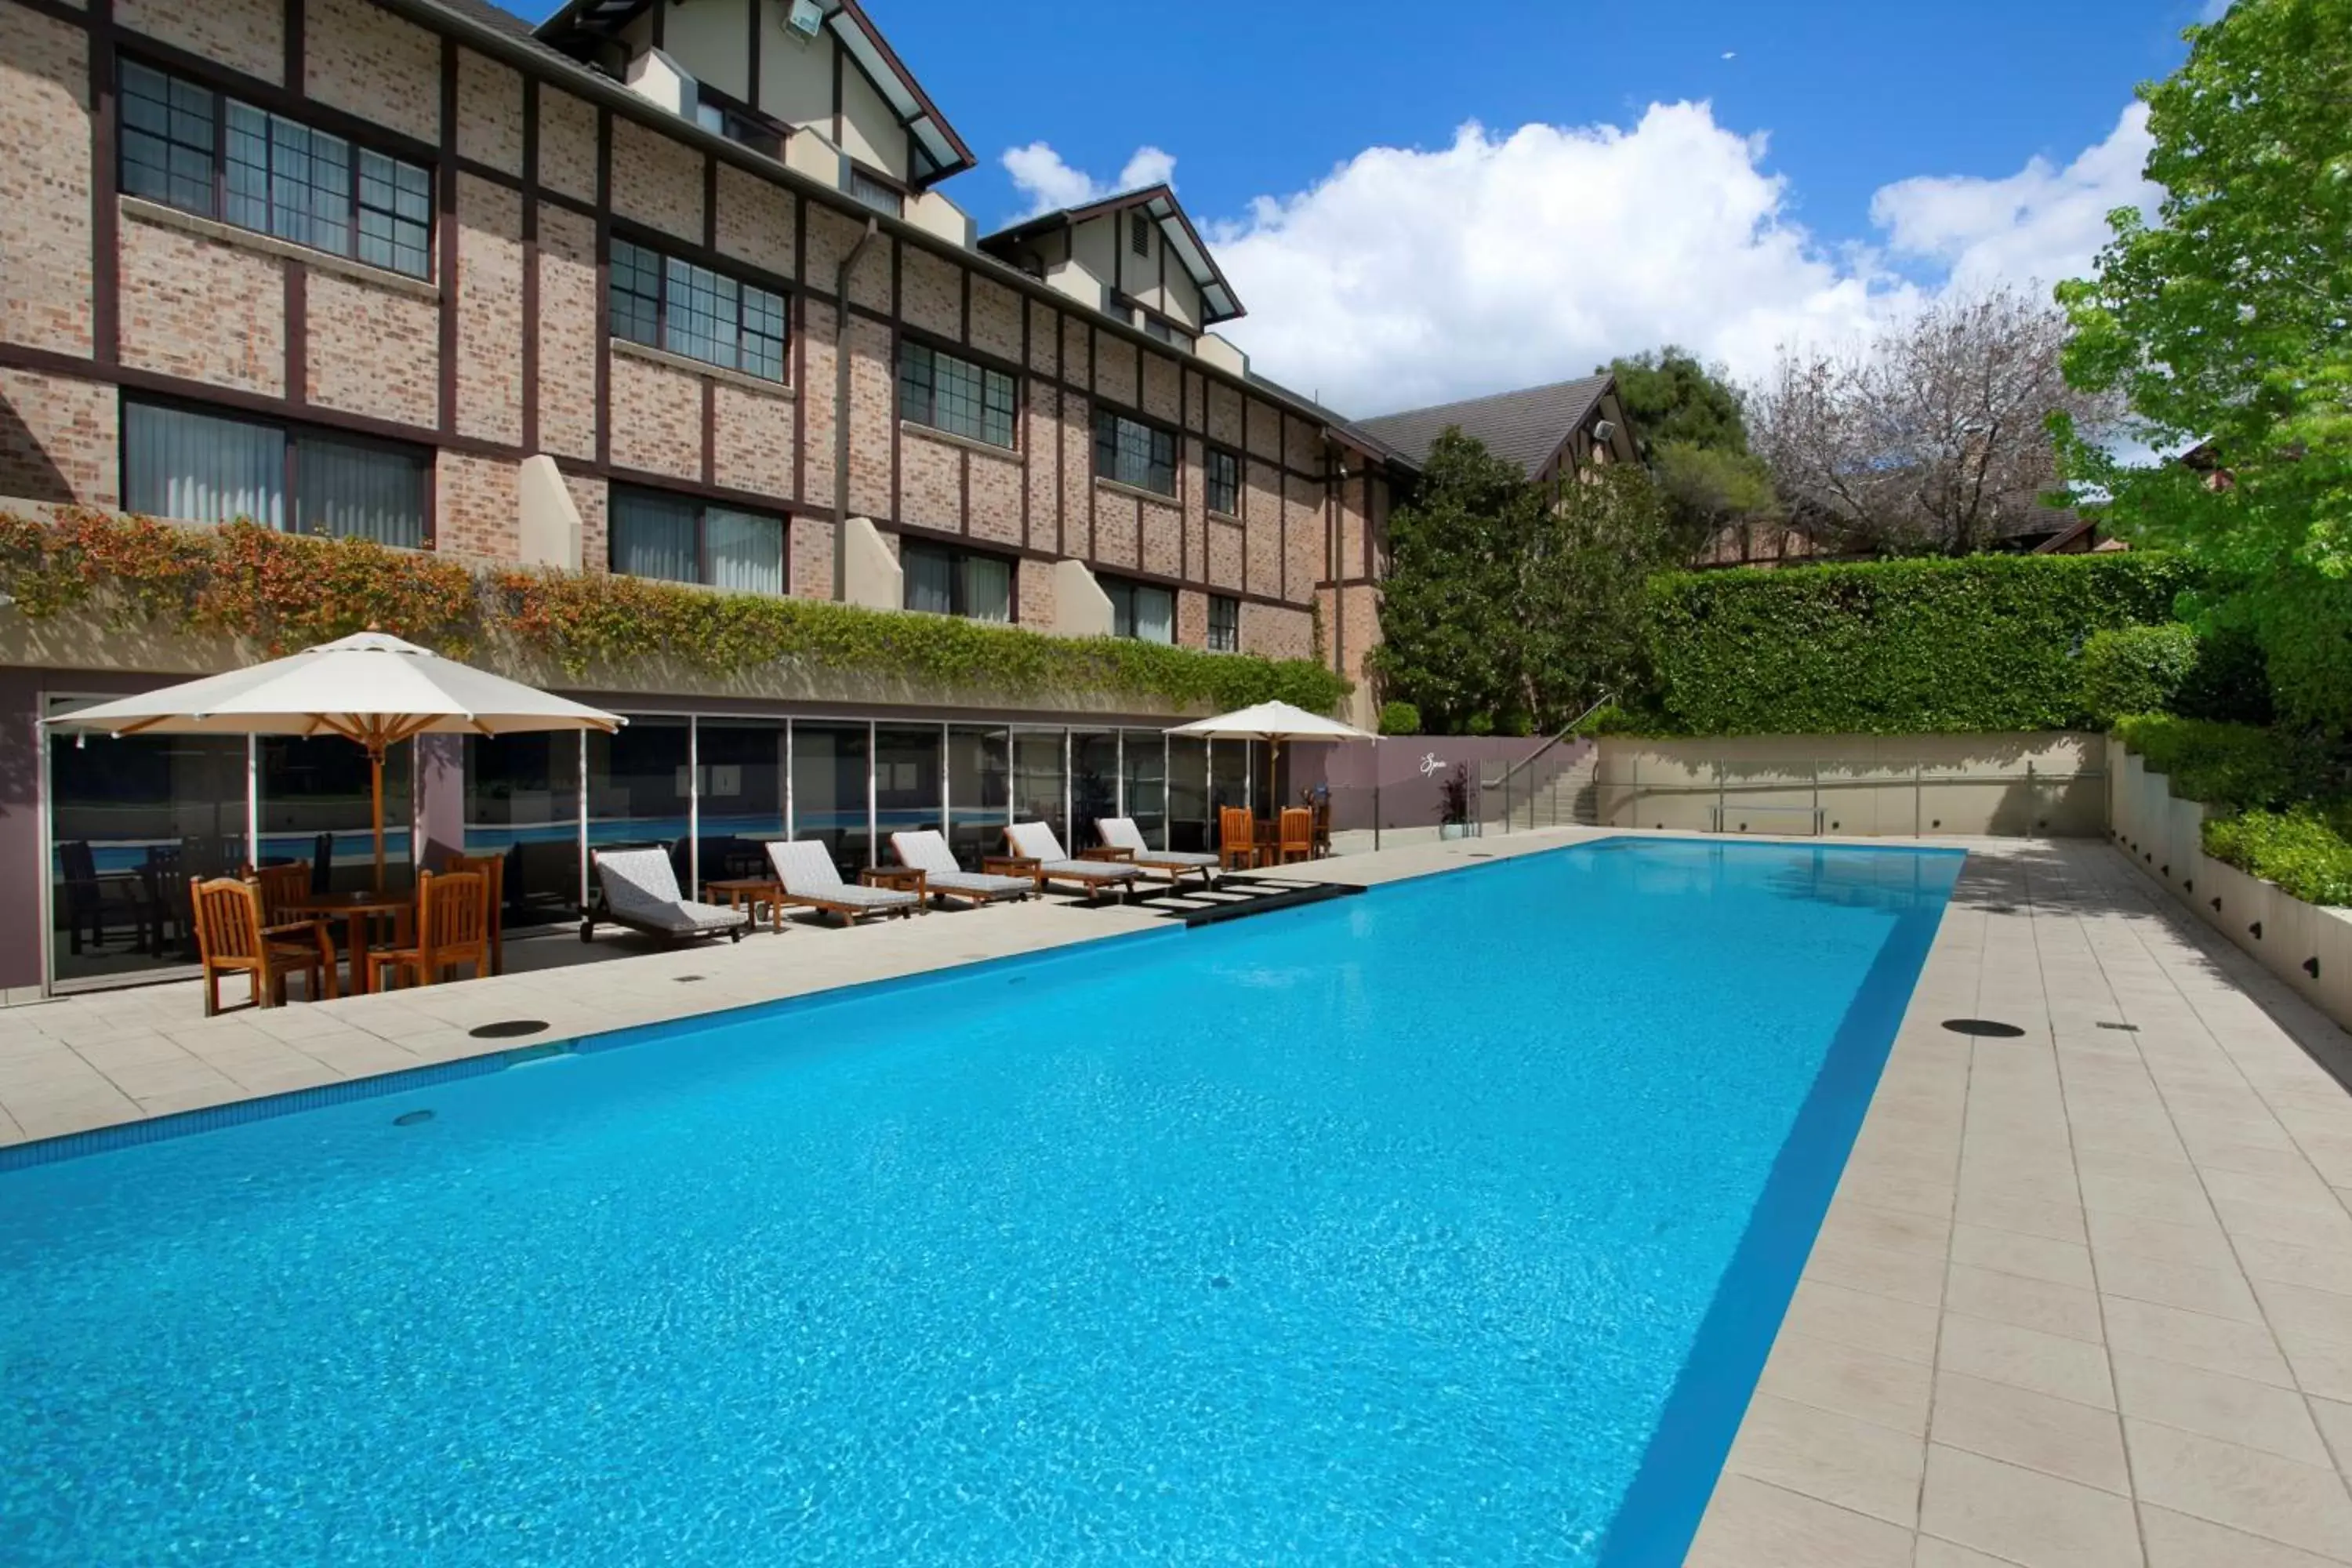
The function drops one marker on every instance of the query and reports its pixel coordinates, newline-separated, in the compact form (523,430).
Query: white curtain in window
(929,580)
(652,536)
(1155,615)
(198,469)
(747,551)
(343,487)
(989,584)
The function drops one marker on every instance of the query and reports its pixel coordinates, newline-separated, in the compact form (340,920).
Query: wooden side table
(906,878)
(738,891)
(1027,866)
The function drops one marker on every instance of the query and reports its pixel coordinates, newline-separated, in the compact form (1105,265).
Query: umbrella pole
(375,767)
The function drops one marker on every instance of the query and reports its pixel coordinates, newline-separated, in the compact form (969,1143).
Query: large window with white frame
(667,303)
(200,467)
(655,533)
(209,153)
(954,395)
(1134,453)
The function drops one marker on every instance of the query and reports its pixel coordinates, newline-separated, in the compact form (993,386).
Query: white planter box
(2305,945)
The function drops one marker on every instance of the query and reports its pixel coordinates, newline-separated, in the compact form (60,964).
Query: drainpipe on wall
(841,412)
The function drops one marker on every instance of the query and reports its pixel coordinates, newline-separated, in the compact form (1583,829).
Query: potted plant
(1454,804)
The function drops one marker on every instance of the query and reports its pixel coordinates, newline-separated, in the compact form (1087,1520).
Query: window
(1142,611)
(954,395)
(1225,623)
(1134,453)
(687,540)
(716,113)
(946,581)
(203,467)
(876,191)
(1139,231)
(205,152)
(1224,482)
(666,303)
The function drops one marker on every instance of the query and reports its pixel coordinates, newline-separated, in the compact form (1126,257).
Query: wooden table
(357,909)
(906,878)
(737,892)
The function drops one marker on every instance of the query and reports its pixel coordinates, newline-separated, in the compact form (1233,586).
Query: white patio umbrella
(370,688)
(1273,722)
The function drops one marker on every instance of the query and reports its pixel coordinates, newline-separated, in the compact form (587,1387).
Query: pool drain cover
(1222,1283)
(412,1118)
(508,1029)
(1987,1028)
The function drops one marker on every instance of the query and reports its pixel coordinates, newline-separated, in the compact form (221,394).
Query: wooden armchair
(1236,838)
(453,923)
(232,937)
(491,868)
(1295,836)
(281,886)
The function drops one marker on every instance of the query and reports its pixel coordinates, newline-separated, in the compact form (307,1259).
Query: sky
(1418,203)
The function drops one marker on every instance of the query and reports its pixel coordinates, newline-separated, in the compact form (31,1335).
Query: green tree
(1691,429)
(1502,613)
(2224,325)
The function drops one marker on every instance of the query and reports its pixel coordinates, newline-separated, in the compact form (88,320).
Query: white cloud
(1048,182)
(1410,276)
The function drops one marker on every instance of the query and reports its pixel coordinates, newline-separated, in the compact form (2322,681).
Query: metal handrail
(1537,755)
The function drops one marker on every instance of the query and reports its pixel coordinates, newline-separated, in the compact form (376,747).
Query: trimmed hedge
(2266,796)
(2137,669)
(1894,648)
(1399,719)
(282,591)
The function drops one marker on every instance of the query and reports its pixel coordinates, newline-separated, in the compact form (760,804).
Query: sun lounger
(927,852)
(1039,855)
(805,872)
(1121,833)
(637,889)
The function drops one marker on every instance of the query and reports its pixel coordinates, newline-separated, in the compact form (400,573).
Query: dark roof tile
(1522,427)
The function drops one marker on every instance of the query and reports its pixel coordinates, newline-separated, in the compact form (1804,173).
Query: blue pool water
(1447,1223)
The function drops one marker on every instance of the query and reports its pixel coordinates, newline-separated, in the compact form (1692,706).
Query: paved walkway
(2085,1297)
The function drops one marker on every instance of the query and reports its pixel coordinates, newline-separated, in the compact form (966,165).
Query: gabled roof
(1218,301)
(1523,427)
(939,151)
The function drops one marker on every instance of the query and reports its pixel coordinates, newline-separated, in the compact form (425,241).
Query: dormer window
(876,191)
(716,111)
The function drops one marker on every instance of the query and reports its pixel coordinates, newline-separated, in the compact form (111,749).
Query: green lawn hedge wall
(1893,647)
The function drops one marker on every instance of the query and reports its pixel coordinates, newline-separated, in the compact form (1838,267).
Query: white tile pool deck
(2085,1297)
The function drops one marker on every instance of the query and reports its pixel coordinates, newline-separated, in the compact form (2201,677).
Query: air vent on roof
(1605,432)
(1138,232)
(802,19)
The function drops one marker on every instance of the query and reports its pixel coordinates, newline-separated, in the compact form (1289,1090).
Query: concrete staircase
(1568,798)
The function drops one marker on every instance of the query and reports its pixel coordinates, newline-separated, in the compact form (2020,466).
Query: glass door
(1143,784)
(829,783)
(317,806)
(522,801)
(980,792)
(1038,784)
(740,775)
(909,783)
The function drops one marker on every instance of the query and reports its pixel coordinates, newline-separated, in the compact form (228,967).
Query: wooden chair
(233,936)
(1236,838)
(491,868)
(1297,841)
(280,886)
(453,924)
(1321,807)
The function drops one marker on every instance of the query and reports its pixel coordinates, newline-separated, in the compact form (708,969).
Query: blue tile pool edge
(1659,1517)
(401,1080)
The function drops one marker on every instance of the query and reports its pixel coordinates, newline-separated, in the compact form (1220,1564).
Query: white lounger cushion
(927,852)
(1121,833)
(641,888)
(805,869)
(1035,841)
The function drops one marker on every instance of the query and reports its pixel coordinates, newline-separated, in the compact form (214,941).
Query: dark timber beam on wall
(105,260)
(447,268)
(297,276)
(710,386)
(604,285)
(530,264)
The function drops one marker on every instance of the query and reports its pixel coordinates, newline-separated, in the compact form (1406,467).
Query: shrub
(2136,669)
(2306,849)
(1892,647)
(1399,719)
(2229,767)
(282,590)
(2230,683)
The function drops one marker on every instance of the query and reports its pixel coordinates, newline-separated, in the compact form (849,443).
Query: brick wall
(363,59)
(45,240)
(1272,631)
(475,507)
(245,35)
(568,333)
(202,310)
(490,112)
(489,311)
(375,352)
(58,439)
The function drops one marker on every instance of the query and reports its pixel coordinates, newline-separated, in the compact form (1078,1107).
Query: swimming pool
(1448,1222)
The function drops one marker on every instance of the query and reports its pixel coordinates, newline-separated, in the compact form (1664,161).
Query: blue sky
(1845,158)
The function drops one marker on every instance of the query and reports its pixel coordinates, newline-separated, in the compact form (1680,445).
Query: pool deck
(2085,1297)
